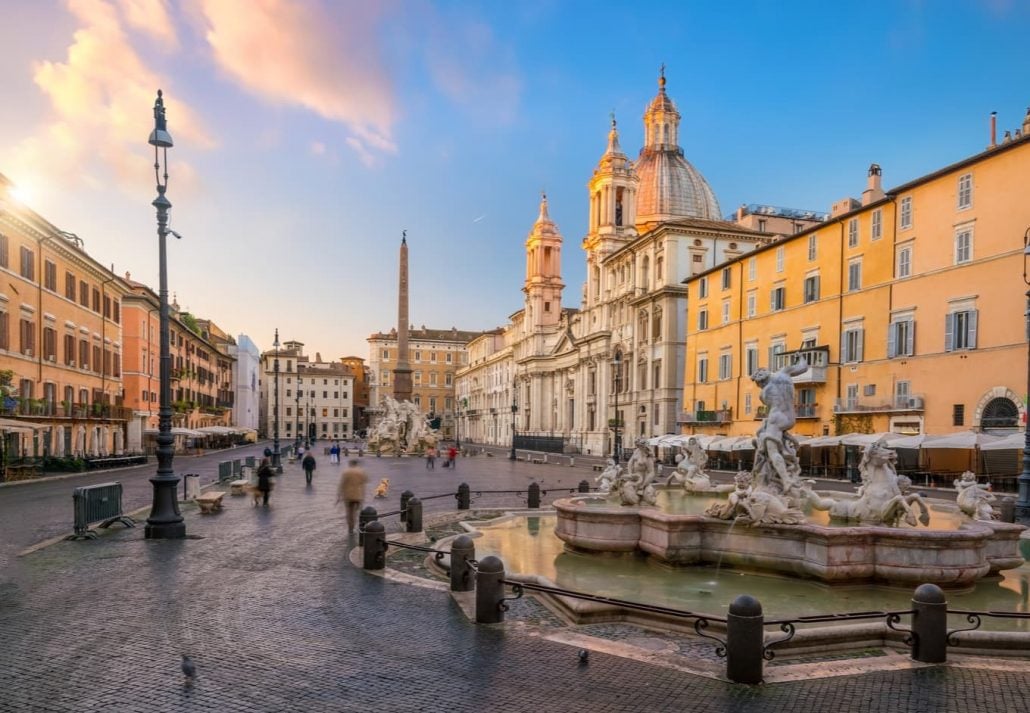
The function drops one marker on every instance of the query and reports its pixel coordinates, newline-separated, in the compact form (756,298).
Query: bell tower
(613,207)
(543,285)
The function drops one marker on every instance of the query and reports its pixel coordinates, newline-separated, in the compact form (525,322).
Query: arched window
(999,413)
(642,328)
(659,267)
(645,269)
(656,324)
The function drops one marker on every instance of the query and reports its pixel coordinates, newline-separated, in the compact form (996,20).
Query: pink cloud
(304,54)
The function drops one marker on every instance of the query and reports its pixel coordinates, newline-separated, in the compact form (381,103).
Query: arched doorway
(1000,413)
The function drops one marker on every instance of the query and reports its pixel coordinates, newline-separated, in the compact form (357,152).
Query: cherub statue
(735,503)
(974,499)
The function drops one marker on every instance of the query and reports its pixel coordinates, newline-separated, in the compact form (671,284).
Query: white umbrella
(865,439)
(823,441)
(1013,441)
(916,441)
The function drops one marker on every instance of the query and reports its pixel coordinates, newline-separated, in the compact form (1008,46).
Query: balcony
(801,411)
(869,405)
(714,417)
(818,359)
(42,409)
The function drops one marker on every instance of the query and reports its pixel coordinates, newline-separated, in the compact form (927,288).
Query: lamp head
(159,137)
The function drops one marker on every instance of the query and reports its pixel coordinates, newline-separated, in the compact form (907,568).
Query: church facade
(577,378)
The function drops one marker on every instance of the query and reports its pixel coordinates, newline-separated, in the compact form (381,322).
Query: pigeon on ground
(189,670)
(584,657)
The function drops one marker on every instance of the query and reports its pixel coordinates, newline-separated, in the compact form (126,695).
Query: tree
(191,322)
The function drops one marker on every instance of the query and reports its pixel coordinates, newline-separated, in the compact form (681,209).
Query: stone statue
(974,499)
(880,499)
(690,470)
(778,397)
(733,507)
(635,486)
(608,477)
(401,429)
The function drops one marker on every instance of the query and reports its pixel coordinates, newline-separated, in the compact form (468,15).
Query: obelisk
(402,372)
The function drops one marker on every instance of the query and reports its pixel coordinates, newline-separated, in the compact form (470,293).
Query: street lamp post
(276,458)
(457,428)
(1023,503)
(616,364)
(296,442)
(514,410)
(165,521)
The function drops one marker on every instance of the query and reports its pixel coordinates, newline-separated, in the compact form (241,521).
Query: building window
(725,311)
(27,334)
(69,286)
(901,338)
(5,340)
(726,279)
(69,349)
(960,330)
(852,396)
(418,356)
(50,275)
(903,265)
(812,252)
(779,258)
(855,275)
(876,227)
(750,359)
(702,369)
(1001,413)
(958,415)
(702,320)
(3,250)
(905,220)
(752,304)
(49,344)
(725,366)
(963,245)
(83,293)
(702,287)
(777,299)
(96,300)
(28,264)
(386,355)
(761,225)
(775,349)
(811,288)
(747,403)
(965,191)
(752,269)
(853,232)
(851,345)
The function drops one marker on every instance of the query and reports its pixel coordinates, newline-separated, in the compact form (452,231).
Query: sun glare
(21,193)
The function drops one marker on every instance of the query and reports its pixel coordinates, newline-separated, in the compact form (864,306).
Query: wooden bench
(210,502)
(239,487)
(597,468)
(539,461)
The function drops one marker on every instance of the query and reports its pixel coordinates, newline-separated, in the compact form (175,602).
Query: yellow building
(908,307)
(60,340)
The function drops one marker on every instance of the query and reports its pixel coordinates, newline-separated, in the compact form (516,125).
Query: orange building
(908,307)
(60,340)
(201,372)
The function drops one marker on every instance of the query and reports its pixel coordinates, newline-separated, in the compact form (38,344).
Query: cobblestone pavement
(277,619)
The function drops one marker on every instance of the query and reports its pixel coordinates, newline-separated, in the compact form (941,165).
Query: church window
(643,326)
(644,269)
(597,282)
(656,324)
(618,207)
(547,308)
(659,271)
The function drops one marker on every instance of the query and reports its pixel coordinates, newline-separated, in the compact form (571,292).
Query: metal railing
(98,503)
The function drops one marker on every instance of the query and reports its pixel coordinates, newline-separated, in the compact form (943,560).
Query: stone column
(402,372)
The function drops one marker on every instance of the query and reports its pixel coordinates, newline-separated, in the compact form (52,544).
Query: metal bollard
(1007,510)
(375,546)
(929,624)
(584,486)
(490,591)
(463,549)
(368,514)
(405,497)
(745,640)
(414,521)
(464,497)
(533,496)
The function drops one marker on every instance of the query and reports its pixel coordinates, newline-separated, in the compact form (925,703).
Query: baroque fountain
(771,519)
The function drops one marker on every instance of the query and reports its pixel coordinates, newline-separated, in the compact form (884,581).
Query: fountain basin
(833,554)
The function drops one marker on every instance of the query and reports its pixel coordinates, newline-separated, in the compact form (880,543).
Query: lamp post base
(165,521)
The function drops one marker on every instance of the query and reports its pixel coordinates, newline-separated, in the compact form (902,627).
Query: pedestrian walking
(308,464)
(431,458)
(452,456)
(334,453)
(264,480)
(352,491)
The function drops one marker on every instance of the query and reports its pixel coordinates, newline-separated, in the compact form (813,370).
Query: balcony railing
(718,416)
(818,359)
(800,411)
(41,408)
(865,405)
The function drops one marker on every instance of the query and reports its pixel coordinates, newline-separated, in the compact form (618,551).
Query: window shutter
(971,341)
(892,340)
(816,295)
(910,339)
(843,347)
(772,299)
(949,332)
(860,344)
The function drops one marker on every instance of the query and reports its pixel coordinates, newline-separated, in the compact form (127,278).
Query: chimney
(1007,137)
(994,130)
(874,190)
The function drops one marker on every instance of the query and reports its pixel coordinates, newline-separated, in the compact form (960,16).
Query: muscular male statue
(778,397)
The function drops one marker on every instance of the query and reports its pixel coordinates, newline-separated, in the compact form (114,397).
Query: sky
(310,133)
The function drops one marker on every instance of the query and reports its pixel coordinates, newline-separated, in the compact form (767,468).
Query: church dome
(670,187)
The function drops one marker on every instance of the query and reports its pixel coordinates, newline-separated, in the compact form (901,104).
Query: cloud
(100,98)
(473,69)
(322,58)
(317,148)
(152,18)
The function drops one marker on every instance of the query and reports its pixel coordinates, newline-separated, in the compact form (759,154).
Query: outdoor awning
(1013,441)
(732,443)
(11,424)
(177,432)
